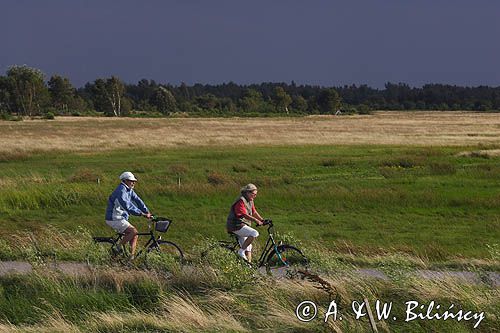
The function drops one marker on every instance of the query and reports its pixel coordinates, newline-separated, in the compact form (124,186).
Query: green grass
(32,298)
(367,200)
(136,301)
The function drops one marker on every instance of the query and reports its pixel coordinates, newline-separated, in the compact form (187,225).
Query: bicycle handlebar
(156,218)
(268,222)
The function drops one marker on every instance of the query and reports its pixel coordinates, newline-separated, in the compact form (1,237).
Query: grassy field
(397,190)
(428,202)
(381,128)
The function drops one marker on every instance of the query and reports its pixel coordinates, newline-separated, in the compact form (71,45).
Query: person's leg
(246,236)
(241,251)
(241,240)
(120,226)
(250,234)
(248,252)
(130,237)
(247,242)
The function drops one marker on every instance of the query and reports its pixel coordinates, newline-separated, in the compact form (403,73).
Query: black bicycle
(278,259)
(155,244)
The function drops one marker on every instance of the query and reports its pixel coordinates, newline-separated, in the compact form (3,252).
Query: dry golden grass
(453,288)
(184,314)
(54,323)
(398,128)
(268,306)
(178,314)
(481,153)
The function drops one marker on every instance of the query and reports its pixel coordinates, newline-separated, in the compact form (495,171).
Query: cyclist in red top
(241,216)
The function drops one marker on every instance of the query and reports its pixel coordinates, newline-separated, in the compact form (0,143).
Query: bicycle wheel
(170,249)
(286,261)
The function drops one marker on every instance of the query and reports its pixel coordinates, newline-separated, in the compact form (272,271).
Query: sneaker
(241,253)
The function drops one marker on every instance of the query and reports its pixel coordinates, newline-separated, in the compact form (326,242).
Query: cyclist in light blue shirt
(121,203)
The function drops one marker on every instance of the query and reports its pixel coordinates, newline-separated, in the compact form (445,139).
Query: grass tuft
(86,175)
(442,168)
(14,156)
(217,178)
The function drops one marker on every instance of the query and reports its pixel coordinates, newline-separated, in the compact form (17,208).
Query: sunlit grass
(393,207)
(426,202)
(118,300)
(88,134)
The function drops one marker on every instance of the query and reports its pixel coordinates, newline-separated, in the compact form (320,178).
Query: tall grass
(107,300)
(426,202)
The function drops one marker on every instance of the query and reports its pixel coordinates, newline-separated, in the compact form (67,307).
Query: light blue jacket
(122,202)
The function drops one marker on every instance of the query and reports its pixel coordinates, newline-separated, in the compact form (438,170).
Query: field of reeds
(348,199)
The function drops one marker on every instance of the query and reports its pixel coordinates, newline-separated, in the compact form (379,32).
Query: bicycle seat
(103,239)
(232,235)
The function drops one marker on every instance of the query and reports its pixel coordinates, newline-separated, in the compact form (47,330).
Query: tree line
(24,92)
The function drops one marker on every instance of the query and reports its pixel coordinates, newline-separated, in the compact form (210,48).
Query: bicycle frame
(152,239)
(268,248)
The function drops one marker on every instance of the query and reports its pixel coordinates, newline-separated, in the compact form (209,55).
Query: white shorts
(119,225)
(245,232)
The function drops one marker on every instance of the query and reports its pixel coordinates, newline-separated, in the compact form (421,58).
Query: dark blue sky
(311,41)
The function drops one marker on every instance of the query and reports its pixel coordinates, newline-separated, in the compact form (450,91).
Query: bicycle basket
(162,226)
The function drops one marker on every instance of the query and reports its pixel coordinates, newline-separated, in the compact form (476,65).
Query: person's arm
(257,220)
(141,205)
(257,215)
(128,205)
(240,212)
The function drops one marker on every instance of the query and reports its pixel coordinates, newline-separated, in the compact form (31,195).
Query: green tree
(299,103)
(281,99)
(4,95)
(164,100)
(329,101)
(27,90)
(126,105)
(108,96)
(78,104)
(207,101)
(227,105)
(62,93)
(185,95)
(251,100)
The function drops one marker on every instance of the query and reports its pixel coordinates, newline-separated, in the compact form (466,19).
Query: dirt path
(76,268)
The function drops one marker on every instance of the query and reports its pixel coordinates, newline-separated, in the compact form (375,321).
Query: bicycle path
(75,268)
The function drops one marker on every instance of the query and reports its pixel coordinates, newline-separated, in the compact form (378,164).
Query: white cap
(248,188)
(127,175)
